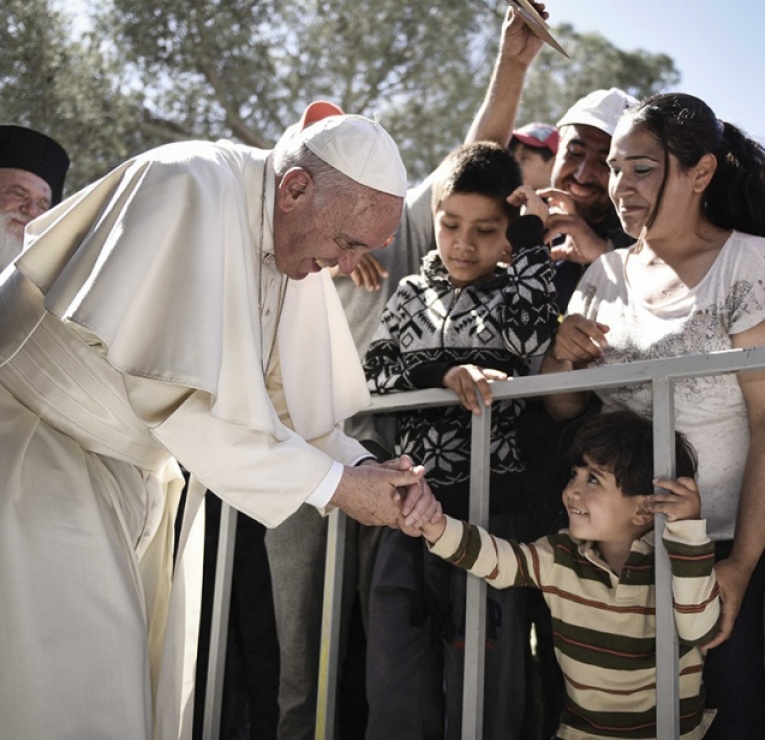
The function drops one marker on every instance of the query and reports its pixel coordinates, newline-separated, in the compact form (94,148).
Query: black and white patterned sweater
(429,326)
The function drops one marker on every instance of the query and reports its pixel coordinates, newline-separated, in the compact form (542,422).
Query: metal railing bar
(667,653)
(216,667)
(329,659)
(716,363)
(689,366)
(475,596)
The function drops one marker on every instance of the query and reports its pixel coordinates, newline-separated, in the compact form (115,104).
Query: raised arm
(517,49)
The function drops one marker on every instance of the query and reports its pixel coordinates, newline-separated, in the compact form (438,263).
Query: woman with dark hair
(691,189)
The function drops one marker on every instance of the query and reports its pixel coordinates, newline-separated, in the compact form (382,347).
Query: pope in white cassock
(175,310)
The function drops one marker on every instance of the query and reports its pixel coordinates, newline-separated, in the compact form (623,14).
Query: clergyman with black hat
(32,171)
(176,309)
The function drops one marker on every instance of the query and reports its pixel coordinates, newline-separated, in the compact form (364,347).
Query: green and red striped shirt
(605,625)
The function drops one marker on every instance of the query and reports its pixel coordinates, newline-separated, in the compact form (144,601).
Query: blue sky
(718,47)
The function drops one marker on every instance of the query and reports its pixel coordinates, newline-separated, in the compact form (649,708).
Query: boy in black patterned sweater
(470,317)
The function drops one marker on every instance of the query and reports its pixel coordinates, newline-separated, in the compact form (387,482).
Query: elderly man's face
(308,238)
(581,170)
(23,196)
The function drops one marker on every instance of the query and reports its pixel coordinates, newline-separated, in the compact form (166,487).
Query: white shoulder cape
(158,259)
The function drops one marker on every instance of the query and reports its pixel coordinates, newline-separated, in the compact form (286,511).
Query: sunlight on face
(338,234)
(597,508)
(471,235)
(636,162)
(580,169)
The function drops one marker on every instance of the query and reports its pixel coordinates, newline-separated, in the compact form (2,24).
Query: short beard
(10,244)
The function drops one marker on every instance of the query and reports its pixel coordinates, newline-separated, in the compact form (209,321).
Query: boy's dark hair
(481,168)
(622,443)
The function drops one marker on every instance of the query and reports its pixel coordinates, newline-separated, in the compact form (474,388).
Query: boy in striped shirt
(597,577)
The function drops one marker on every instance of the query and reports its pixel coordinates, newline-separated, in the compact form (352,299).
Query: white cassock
(129,338)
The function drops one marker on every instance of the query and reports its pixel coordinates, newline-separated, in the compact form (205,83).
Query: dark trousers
(415,651)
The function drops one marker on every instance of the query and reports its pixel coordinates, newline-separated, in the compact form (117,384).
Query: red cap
(318,110)
(538,136)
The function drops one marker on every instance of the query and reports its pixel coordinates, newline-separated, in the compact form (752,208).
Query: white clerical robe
(130,336)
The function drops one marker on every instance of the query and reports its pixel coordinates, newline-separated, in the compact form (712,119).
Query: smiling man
(176,310)
(32,171)
(582,215)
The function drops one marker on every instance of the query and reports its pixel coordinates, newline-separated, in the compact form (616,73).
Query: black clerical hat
(26,149)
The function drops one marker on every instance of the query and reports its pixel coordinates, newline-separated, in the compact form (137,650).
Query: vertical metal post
(216,666)
(475,609)
(330,626)
(667,660)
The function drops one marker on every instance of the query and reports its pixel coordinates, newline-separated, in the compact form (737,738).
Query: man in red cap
(32,171)
(534,147)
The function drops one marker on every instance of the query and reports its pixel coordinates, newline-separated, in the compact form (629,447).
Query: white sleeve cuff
(321,495)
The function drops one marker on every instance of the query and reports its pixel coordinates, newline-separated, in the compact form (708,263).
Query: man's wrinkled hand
(581,244)
(415,501)
(370,493)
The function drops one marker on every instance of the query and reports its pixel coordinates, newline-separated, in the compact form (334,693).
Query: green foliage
(69,89)
(153,71)
(248,67)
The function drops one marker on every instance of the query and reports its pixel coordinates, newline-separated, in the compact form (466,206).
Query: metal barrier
(660,373)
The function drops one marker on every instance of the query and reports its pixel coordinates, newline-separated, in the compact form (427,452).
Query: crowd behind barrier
(660,373)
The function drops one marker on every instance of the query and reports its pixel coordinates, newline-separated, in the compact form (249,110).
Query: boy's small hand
(464,379)
(369,273)
(433,530)
(682,501)
(426,511)
(526,198)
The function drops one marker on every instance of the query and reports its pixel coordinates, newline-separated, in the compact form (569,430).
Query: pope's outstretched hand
(394,493)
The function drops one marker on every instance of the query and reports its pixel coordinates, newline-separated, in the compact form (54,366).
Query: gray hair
(330,183)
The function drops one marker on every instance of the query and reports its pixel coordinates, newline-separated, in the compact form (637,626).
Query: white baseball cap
(601,109)
(361,149)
